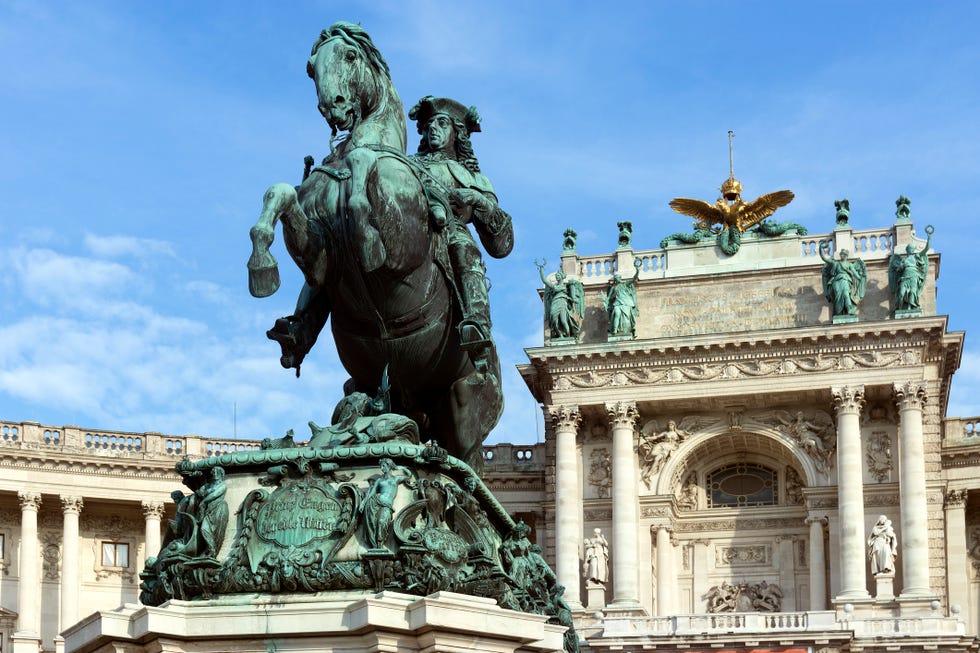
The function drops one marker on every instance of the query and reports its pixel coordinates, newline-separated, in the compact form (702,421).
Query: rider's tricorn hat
(429,106)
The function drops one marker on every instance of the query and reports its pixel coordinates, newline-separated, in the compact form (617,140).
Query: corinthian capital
(152,509)
(70,504)
(848,398)
(29,500)
(566,418)
(622,414)
(911,394)
(956,498)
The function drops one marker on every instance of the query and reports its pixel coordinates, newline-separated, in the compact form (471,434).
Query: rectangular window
(115,554)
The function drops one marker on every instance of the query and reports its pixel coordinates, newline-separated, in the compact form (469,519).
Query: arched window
(742,484)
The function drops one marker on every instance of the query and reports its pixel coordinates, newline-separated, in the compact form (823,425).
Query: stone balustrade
(961,431)
(749,622)
(513,458)
(31,435)
(790,250)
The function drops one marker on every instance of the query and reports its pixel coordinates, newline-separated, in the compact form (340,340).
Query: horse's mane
(356,36)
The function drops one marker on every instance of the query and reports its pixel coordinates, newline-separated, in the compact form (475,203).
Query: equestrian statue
(383,242)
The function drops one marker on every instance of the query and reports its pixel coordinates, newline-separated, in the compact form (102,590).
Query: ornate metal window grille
(742,485)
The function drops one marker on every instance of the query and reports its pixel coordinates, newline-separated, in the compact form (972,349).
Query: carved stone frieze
(735,556)
(747,524)
(50,555)
(706,371)
(878,455)
(654,511)
(814,431)
(744,597)
(597,514)
(600,471)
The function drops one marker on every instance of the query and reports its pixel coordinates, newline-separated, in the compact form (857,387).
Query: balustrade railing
(31,435)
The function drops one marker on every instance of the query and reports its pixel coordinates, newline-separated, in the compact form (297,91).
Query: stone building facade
(741,447)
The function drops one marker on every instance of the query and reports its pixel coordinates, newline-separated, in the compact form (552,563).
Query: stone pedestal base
(596,596)
(440,623)
(25,643)
(885,587)
(563,341)
(845,319)
(619,338)
(915,312)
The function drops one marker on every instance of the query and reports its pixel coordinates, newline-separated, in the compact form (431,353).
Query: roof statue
(907,274)
(729,217)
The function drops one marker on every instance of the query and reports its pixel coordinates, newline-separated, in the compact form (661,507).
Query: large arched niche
(709,450)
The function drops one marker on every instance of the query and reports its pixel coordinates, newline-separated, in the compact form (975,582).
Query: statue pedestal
(619,338)
(901,315)
(845,319)
(555,342)
(885,587)
(596,596)
(437,623)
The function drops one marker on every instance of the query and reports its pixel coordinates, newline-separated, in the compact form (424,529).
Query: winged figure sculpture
(729,211)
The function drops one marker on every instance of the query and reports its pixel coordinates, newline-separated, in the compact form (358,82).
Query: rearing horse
(359,228)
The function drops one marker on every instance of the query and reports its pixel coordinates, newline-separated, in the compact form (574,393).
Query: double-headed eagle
(729,211)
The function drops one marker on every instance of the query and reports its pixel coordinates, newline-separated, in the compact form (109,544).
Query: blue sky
(137,139)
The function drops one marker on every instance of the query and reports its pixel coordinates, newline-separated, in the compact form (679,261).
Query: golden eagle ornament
(729,211)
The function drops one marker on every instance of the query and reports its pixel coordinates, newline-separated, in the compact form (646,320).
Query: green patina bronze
(845,280)
(564,304)
(568,240)
(730,240)
(377,516)
(621,304)
(907,275)
(383,242)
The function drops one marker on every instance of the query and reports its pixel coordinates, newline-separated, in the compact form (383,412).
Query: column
(699,560)
(568,503)
(666,583)
(70,575)
(625,529)
(850,492)
(818,564)
(152,513)
(957,572)
(914,545)
(28,624)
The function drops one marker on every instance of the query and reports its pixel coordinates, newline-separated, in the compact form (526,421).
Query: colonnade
(910,398)
(27,637)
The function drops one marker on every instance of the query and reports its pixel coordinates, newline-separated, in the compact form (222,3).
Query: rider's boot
(474,328)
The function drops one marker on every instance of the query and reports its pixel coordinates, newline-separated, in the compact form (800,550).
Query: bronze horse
(359,228)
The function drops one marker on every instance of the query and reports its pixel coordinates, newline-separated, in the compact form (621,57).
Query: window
(742,485)
(115,554)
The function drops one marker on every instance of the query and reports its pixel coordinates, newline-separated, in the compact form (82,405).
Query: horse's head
(350,74)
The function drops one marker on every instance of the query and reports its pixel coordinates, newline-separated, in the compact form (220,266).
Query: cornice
(883,344)
(44,461)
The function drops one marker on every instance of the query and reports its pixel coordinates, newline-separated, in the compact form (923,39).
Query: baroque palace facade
(736,452)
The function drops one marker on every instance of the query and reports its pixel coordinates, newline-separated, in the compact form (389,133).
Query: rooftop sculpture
(730,216)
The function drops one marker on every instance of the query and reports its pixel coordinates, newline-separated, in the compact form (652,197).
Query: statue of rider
(459,195)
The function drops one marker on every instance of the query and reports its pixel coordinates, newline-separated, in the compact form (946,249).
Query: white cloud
(123,246)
